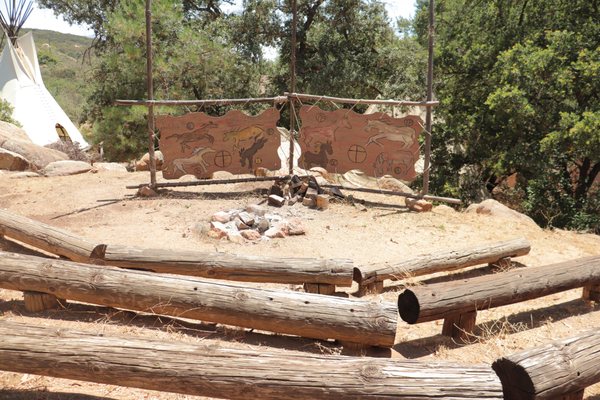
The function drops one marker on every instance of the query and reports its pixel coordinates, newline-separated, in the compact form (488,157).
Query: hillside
(64,71)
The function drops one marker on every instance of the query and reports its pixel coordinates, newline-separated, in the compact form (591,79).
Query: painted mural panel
(199,144)
(343,140)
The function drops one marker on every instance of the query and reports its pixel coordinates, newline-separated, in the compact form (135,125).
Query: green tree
(519,92)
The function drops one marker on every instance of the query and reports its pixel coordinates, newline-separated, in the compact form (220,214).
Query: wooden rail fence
(303,314)
(221,372)
(458,302)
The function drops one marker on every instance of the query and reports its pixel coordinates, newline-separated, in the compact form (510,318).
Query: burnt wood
(294,313)
(222,372)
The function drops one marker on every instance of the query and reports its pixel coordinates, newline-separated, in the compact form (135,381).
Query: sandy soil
(99,207)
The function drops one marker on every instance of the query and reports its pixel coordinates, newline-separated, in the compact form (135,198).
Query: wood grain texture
(199,144)
(294,313)
(447,260)
(343,140)
(233,267)
(560,368)
(45,237)
(221,372)
(433,302)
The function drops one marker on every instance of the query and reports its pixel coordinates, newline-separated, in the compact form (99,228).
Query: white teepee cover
(21,84)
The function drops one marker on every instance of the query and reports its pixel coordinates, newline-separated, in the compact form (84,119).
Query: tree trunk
(446,260)
(438,301)
(302,314)
(560,368)
(205,370)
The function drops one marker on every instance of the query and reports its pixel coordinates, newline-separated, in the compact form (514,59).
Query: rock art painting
(199,144)
(343,140)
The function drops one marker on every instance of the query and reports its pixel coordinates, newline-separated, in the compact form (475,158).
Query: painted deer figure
(320,158)
(250,132)
(381,130)
(197,157)
(195,135)
(249,153)
(325,134)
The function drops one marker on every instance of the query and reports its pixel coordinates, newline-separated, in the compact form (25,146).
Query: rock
(418,205)
(444,209)
(262,225)
(235,237)
(276,201)
(109,166)
(200,229)
(25,174)
(321,172)
(276,190)
(218,230)
(256,209)
(295,226)
(311,193)
(66,167)
(261,171)
(9,131)
(246,218)
(495,208)
(221,175)
(187,178)
(388,182)
(143,164)
(221,216)
(321,181)
(146,191)
(275,232)
(12,161)
(308,202)
(250,235)
(240,225)
(38,156)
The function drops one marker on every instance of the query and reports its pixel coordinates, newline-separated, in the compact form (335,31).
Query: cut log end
(408,306)
(38,302)
(516,383)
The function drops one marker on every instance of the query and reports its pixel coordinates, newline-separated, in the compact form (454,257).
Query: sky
(45,19)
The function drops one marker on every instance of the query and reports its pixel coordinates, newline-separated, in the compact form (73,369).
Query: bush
(71,149)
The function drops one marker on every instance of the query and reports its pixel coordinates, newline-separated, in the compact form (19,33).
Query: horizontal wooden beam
(214,102)
(302,314)
(446,260)
(560,368)
(221,372)
(399,103)
(395,193)
(207,182)
(45,237)
(438,301)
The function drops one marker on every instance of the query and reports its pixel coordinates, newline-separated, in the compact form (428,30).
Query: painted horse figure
(249,153)
(197,157)
(320,158)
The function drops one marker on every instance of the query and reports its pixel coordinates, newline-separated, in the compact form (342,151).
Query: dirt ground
(98,206)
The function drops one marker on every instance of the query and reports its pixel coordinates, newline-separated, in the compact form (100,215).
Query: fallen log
(561,368)
(232,267)
(301,314)
(206,370)
(445,261)
(45,237)
(449,299)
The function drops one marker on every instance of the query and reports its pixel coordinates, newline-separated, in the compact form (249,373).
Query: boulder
(12,161)
(66,167)
(143,164)
(39,157)
(495,208)
(10,131)
(109,166)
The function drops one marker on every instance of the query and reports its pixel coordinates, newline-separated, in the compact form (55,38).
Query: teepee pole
(150,85)
(427,164)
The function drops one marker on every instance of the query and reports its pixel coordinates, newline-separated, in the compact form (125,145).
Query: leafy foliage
(6,110)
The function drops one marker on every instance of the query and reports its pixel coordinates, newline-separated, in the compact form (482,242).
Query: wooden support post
(38,302)
(370,288)
(441,261)
(558,370)
(434,302)
(319,288)
(459,326)
(591,293)
(280,311)
(206,370)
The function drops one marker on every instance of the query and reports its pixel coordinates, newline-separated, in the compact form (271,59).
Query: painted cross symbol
(357,153)
(222,159)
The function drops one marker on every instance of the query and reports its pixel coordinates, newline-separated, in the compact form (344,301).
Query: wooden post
(293,84)
(150,89)
(431,35)
(45,237)
(591,293)
(38,302)
(216,371)
(448,260)
(459,326)
(438,301)
(301,314)
(558,370)
(319,288)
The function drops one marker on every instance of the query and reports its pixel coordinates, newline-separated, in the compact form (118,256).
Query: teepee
(22,86)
